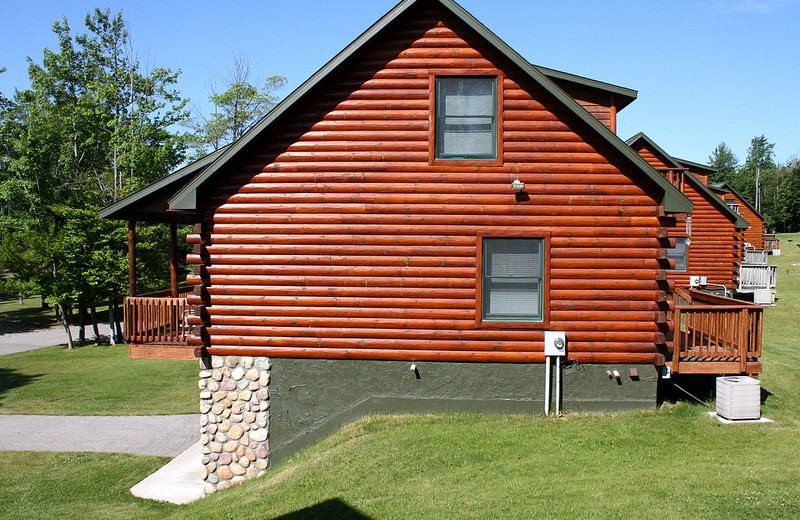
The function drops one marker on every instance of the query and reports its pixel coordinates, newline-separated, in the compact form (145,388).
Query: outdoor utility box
(738,398)
(555,343)
(762,296)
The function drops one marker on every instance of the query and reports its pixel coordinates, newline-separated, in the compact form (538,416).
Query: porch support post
(173,259)
(131,257)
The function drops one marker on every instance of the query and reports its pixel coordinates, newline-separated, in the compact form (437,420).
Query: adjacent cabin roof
(183,186)
(702,168)
(724,187)
(699,186)
(622,96)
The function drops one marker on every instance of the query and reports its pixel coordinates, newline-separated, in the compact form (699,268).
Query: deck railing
(714,329)
(771,242)
(156,317)
(756,256)
(676,177)
(753,277)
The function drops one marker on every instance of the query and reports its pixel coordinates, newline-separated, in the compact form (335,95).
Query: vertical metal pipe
(558,385)
(547,385)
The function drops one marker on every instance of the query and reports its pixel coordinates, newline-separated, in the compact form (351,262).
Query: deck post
(744,339)
(173,259)
(676,340)
(131,257)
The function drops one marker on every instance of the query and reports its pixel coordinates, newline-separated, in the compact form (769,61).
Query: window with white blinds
(466,117)
(512,279)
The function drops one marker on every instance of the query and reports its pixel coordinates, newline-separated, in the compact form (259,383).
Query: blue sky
(706,71)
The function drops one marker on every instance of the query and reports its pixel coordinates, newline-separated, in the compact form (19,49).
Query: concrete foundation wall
(310,399)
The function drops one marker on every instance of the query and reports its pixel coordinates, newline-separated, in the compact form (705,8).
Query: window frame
(498,137)
(480,321)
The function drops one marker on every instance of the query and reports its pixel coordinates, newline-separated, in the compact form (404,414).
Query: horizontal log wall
(336,237)
(715,248)
(755,234)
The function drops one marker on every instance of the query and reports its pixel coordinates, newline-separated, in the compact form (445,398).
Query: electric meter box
(555,343)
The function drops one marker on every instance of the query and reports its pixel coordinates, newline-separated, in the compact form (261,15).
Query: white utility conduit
(547,385)
(547,389)
(558,385)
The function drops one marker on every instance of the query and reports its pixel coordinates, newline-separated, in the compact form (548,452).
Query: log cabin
(754,235)
(710,239)
(402,233)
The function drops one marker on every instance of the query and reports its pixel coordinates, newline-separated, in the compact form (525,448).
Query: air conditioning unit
(738,398)
(762,296)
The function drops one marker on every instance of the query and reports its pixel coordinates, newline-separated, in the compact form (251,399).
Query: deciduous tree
(236,106)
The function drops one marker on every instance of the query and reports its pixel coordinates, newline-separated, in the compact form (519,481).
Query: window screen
(678,253)
(512,279)
(466,118)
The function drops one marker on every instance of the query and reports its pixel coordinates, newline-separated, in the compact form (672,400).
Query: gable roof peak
(671,198)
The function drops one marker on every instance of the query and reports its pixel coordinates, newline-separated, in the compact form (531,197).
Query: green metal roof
(709,170)
(672,199)
(724,186)
(131,206)
(624,96)
(738,221)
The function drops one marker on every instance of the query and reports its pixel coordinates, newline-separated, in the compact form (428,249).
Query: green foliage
(89,258)
(241,104)
(93,127)
(726,163)
(773,189)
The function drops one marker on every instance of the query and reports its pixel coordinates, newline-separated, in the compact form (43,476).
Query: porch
(715,335)
(156,327)
(772,243)
(757,277)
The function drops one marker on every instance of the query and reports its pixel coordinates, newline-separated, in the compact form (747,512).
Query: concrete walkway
(162,435)
(23,341)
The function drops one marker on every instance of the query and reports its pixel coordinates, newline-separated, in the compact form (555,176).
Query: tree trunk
(112,336)
(20,298)
(95,327)
(65,323)
(117,322)
(81,324)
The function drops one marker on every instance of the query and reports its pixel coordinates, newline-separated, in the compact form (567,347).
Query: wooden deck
(715,335)
(155,325)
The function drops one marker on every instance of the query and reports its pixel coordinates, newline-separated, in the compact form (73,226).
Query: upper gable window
(466,117)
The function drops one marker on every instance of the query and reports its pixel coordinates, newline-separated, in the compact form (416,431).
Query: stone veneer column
(234,403)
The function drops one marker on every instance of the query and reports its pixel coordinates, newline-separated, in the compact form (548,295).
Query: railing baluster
(154,319)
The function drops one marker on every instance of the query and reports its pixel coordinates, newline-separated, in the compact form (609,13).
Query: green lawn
(674,462)
(28,316)
(95,380)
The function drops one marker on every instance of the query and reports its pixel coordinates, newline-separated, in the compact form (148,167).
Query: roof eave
(121,209)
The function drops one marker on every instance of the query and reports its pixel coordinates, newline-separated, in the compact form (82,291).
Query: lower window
(512,279)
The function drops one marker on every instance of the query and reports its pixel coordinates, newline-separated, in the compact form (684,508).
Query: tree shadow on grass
(10,379)
(26,319)
(331,509)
